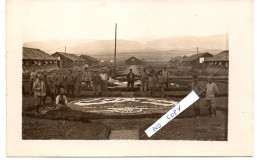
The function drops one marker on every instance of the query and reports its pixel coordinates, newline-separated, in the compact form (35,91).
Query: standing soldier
(78,83)
(166,76)
(96,83)
(161,82)
(61,79)
(47,88)
(103,82)
(152,83)
(144,77)
(50,90)
(33,78)
(69,81)
(87,77)
(39,92)
(196,105)
(130,80)
(211,92)
(56,81)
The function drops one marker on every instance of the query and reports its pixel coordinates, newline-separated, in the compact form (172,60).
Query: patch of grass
(214,129)
(35,128)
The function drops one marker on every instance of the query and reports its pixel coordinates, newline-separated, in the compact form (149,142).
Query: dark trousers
(166,84)
(130,83)
(196,108)
(78,90)
(103,85)
(70,90)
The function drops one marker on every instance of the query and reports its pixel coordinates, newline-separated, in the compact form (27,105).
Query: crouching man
(61,101)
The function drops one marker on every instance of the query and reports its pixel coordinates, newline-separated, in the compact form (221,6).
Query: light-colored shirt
(58,99)
(39,88)
(103,76)
(212,90)
(165,73)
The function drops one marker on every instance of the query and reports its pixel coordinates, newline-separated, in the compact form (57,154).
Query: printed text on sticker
(171,114)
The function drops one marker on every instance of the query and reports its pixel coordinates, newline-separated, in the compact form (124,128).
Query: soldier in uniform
(130,80)
(87,77)
(211,92)
(70,81)
(161,83)
(144,77)
(103,82)
(39,92)
(196,105)
(78,84)
(96,83)
(152,83)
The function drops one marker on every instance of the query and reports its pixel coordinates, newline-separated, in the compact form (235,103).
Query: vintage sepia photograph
(108,70)
(109,81)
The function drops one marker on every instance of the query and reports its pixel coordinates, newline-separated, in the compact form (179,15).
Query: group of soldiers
(150,81)
(60,85)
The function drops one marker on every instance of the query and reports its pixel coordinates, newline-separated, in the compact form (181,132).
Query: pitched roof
(36,54)
(222,56)
(132,58)
(196,56)
(178,58)
(73,57)
(89,58)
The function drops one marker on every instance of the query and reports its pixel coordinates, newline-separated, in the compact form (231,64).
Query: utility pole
(115,45)
(199,58)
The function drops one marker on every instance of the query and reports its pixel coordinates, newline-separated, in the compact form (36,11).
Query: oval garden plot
(121,105)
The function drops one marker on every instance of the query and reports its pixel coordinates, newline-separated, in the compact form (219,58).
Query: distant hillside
(52,46)
(162,56)
(159,49)
(218,42)
(108,46)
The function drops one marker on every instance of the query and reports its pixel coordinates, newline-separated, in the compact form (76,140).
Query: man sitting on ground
(61,101)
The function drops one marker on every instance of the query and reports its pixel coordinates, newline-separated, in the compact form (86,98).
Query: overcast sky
(78,19)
